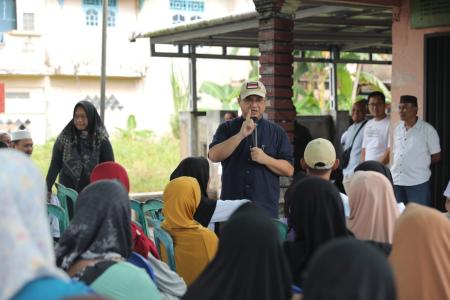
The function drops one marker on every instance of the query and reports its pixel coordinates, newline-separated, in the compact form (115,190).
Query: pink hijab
(373,207)
(420,254)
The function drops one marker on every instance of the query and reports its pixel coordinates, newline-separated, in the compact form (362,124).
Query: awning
(324,27)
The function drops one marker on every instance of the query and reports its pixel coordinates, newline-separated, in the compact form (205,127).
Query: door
(437,106)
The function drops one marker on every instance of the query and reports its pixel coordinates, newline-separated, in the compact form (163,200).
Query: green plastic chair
(141,221)
(162,236)
(65,194)
(153,207)
(282,229)
(60,214)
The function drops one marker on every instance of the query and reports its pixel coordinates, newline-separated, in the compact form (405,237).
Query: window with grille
(91,17)
(93,12)
(187,5)
(8,17)
(186,10)
(178,18)
(28,21)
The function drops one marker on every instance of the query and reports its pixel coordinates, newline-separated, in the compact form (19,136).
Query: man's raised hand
(247,126)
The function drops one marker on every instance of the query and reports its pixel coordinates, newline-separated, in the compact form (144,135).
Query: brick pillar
(275,45)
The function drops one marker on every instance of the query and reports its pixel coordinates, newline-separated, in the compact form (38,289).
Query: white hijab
(26,249)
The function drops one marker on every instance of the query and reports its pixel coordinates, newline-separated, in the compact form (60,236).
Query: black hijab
(316,214)
(249,264)
(81,151)
(373,165)
(198,167)
(348,269)
(100,227)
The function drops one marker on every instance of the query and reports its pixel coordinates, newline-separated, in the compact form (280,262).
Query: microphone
(255,132)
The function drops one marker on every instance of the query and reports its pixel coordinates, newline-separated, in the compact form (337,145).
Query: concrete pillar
(275,45)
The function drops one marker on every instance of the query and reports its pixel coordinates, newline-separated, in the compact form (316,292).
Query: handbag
(346,155)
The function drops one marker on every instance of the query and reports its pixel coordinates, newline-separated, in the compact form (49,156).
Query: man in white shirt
(353,138)
(447,200)
(376,133)
(415,148)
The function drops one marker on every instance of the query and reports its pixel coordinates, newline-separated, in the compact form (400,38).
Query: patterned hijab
(26,248)
(421,254)
(112,170)
(100,228)
(373,207)
(81,149)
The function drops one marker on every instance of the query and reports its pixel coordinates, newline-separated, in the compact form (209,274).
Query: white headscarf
(26,249)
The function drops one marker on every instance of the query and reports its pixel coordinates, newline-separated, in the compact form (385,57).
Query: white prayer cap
(20,135)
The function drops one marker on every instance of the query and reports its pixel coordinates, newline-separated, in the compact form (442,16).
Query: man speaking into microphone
(253,151)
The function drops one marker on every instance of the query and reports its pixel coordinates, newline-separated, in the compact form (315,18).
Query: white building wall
(58,64)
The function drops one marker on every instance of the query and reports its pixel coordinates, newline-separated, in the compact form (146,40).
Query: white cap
(249,88)
(20,135)
(320,154)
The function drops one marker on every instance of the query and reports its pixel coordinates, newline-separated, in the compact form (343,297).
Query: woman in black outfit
(81,145)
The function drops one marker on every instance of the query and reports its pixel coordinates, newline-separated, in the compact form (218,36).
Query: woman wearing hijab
(194,245)
(27,261)
(112,170)
(373,208)
(359,273)
(208,211)
(81,145)
(376,166)
(317,216)
(169,283)
(420,254)
(250,263)
(95,246)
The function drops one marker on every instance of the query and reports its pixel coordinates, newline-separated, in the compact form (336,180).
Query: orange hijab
(420,254)
(194,245)
(373,207)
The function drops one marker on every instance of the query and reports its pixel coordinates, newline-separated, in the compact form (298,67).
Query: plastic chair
(162,236)
(64,193)
(60,214)
(141,221)
(282,229)
(154,208)
(141,262)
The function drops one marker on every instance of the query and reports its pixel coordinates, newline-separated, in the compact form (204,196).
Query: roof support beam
(385,3)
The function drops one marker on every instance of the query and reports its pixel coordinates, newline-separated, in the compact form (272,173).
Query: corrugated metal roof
(356,28)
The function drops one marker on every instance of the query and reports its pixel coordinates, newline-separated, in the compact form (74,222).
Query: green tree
(130,133)
(180,95)
(309,98)
(225,93)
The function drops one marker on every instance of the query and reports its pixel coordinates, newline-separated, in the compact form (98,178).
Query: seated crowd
(370,250)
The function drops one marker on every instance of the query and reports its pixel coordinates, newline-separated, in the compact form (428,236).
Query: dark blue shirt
(243,178)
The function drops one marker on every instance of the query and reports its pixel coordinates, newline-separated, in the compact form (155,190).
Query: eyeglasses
(251,101)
